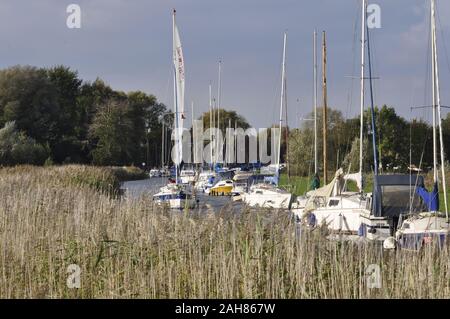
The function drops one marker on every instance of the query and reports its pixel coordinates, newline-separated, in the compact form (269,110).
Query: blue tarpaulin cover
(431,199)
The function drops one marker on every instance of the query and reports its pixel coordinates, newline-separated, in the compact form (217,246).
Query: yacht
(430,225)
(222,188)
(174,196)
(267,196)
(154,173)
(187,176)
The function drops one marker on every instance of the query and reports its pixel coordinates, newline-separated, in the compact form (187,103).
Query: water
(148,187)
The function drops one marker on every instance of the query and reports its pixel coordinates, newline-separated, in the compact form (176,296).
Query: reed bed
(127,248)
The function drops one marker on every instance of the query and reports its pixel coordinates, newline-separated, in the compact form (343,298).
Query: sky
(128,44)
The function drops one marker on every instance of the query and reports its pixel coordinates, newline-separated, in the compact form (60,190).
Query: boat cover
(392,195)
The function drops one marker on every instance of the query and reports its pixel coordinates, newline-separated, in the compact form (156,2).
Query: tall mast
(219,89)
(175,101)
(324,93)
(315,102)
(433,84)
(214,126)
(235,142)
(229,151)
(283,83)
(162,145)
(192,120)
(363,43)
(372,107)
(438,99)
(287,126)
(210,124)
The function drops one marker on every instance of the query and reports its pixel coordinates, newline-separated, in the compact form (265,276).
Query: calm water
(148,187)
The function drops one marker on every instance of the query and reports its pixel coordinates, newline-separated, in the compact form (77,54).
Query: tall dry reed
(127,248)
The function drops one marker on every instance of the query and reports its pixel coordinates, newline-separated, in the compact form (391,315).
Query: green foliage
(395,138)
(57,109)
(110,129)
(17,148)
(28,97)
(225,117)
(301,152)
(351,160)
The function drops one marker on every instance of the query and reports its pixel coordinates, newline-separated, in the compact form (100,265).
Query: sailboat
(176,195)
(270,195)
(430,225)
(333,205)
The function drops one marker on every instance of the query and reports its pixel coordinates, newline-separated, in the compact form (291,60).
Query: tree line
(400,143)
(50,114)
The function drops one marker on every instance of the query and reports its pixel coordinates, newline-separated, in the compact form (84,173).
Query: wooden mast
(316,170)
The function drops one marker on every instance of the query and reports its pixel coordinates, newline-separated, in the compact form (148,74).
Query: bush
(129,173)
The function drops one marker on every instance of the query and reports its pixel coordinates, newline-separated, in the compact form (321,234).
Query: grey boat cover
(392,195)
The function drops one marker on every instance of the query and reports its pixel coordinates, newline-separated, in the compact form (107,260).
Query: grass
(298,185)
(127,248)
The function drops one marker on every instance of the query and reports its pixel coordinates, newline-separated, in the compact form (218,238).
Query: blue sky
(128,44)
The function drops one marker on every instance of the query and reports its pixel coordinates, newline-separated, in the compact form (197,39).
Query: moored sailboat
(430,225)
(176,195)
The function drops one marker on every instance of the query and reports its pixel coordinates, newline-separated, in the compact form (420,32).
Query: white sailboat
(332,205)
(269,195)
(431,225)
(176,195)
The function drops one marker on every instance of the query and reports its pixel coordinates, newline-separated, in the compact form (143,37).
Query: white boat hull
(267,200)
(425,228)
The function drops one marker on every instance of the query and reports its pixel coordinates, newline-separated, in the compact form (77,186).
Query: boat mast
(324,93)
(315,101)
(162,146)
(372,106)
(175,100)
(210,125)
(438,99)
(229,151)
(235,142)
(363,42)
(433,84)
(219,89)
(192,146)
(283,83)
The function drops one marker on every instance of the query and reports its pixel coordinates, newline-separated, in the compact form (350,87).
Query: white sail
(178,61)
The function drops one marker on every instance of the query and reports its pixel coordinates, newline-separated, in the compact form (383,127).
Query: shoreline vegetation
(52,217)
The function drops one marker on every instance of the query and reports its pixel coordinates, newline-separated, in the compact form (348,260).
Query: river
(148,187)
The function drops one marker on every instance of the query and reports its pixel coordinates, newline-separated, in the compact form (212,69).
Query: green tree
(393,145)
(225,117)
(110,131)
(17,148)
(67,146)
(29,98)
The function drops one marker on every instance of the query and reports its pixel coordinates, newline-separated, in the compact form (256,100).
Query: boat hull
(281,201)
